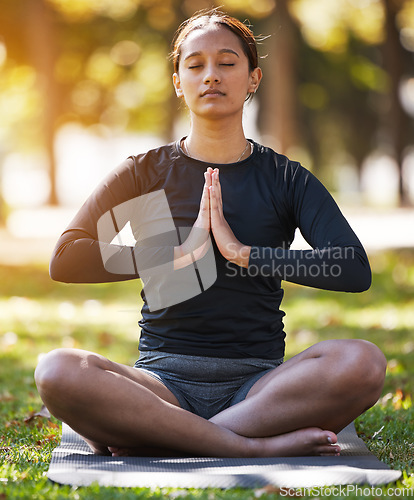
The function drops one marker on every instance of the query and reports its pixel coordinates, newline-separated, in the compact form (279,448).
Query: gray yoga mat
(73,463)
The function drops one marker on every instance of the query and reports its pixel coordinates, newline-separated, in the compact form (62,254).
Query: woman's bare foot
(97,448)
(120,452)
(303,442)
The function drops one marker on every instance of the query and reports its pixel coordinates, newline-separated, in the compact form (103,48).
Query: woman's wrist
(193,249)
(239,254)
(244,256)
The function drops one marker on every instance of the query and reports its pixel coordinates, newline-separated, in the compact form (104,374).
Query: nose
(211,75)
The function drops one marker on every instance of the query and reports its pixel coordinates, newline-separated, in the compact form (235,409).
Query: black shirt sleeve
(78,254)
(337,260)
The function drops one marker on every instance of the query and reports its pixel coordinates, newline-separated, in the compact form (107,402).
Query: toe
(115,452)
(329,451)
(330,437)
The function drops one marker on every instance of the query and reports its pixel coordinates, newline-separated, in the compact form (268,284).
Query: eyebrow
(222,51)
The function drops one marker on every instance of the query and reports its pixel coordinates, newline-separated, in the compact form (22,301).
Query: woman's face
(213,75)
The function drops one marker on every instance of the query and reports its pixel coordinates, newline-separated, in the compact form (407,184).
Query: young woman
(214,215)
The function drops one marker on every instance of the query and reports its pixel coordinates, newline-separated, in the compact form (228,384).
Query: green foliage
(37,315)
(107,63)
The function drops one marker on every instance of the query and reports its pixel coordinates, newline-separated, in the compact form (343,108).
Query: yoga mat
(73,463)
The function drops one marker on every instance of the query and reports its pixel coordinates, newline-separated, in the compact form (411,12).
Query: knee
(365,365)
(52,373)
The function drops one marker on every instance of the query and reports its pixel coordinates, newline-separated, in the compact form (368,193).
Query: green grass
(37,315)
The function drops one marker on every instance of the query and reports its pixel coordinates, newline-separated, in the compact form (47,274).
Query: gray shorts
(205,385)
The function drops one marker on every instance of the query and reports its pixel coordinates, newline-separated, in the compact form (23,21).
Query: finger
(207,176)
(212,199)
(217,187)
(215,176)
(205,198)
(215,204)
(218,184)
(203,218)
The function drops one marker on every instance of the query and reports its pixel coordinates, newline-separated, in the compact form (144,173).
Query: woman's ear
(177,85)
(255,78)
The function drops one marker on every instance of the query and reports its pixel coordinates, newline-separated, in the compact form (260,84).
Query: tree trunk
(278,114)
(395,120)
(42,42)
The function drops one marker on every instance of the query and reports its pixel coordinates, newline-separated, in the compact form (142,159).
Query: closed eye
(195,66)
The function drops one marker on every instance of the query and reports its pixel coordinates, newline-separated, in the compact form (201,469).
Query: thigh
(349,362)
(333,348)
(143,378)
(65,371)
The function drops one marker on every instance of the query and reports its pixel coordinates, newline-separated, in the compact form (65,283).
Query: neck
(216,143)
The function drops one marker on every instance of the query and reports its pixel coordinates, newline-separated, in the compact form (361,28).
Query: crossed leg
(113,405)
(116,406)
(285,412)
(325,387)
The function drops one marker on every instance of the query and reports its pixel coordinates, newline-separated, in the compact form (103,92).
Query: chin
(216,112)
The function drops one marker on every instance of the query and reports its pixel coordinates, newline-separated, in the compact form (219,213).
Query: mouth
(211,92)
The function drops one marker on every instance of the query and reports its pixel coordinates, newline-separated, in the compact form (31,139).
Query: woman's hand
(229,246)
(211,217)
(198,241)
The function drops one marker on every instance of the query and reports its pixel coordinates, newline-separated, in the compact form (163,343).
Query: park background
(86,83)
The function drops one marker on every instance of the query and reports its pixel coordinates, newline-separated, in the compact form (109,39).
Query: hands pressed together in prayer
(211,218)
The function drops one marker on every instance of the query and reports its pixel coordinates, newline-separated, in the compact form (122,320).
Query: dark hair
(203,19)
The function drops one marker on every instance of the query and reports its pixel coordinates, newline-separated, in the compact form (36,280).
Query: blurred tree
(352,65)
(332,75)
(42,47)
(95,62)
(396,121)
(279,93)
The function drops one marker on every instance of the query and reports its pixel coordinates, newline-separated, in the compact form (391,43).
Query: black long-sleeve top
(236,311)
